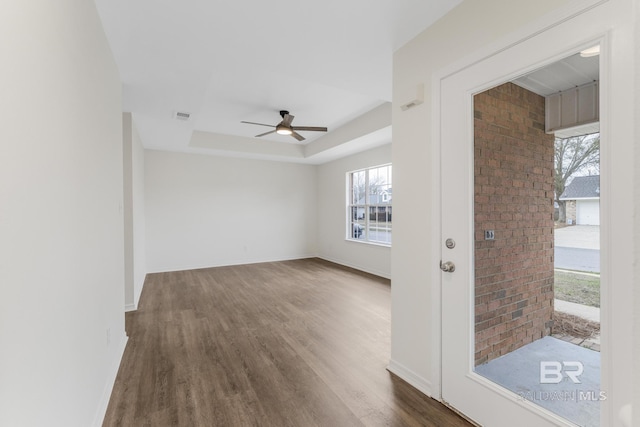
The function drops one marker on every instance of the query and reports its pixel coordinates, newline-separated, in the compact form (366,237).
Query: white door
(462,388)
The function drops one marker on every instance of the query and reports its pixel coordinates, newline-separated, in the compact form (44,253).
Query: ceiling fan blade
(311,128)
(266,133)
(297,136)
(259,124)
(287,119)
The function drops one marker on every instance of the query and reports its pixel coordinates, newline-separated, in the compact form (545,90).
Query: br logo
(552,372)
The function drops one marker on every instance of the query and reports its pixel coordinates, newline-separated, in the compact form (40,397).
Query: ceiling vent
(181,115)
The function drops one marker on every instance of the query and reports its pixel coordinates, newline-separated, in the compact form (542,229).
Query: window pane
(374,183)
(379,185)
(379,228)
(358,187)
(357,213)
(357,225)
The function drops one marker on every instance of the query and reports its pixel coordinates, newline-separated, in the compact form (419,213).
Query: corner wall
(61,224)
(206,211)
(139,221)
(633,417)
(332,214)
(128,210)
(134,219)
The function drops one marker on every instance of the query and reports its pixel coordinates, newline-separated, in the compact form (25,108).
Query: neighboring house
(386,196)
(583,200)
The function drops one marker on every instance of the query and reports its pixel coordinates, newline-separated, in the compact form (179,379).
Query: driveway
(577,259)
(578,248)
(578,236)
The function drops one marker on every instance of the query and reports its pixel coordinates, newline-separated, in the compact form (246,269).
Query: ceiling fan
(285,128)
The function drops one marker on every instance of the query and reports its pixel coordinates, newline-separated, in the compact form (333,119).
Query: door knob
(447,267)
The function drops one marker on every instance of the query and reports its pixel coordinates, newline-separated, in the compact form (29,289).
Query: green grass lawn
(578,288)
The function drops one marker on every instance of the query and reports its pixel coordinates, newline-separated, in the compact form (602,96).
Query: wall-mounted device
(419,98)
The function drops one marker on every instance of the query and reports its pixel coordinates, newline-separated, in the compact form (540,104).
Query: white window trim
(366,207)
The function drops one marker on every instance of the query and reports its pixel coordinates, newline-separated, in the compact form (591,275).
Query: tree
(574,155)
(374,180)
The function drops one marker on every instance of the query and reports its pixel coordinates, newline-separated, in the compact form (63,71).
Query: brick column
(570,207)
(514,198)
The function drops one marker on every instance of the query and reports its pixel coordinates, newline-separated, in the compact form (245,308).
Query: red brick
(514,197)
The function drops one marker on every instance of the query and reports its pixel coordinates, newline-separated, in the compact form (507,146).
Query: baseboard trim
(232,263)
(411,377)
(356,267)
(108,388)
(130,307)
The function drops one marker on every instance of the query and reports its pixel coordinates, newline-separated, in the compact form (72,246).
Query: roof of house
(582,187)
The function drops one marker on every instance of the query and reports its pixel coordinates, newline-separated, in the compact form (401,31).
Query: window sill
(365,242)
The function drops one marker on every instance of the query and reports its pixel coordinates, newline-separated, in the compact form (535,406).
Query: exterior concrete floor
(520,372)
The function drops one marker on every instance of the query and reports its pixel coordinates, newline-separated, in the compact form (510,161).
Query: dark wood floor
(295,343)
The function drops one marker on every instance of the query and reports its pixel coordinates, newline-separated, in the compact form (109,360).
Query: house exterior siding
(582,198)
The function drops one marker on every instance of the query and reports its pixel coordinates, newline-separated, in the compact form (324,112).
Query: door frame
(610,33)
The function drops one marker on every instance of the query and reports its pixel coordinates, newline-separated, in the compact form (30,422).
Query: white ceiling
(567,73)
(328,62)
(562,75)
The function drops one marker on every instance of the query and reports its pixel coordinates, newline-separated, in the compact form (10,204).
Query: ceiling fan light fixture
(283,130)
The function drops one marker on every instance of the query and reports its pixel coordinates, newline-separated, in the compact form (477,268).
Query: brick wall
(570,206)
(513,197)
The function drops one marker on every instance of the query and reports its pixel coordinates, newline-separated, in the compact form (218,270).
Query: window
(369,205)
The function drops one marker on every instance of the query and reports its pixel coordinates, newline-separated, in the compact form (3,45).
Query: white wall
(205,211)
(127,189)
(471,27)
(332,244)
(134,219)
(636,193)
(139,220)
(61,224)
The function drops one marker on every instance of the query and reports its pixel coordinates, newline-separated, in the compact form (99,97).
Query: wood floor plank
(294,343)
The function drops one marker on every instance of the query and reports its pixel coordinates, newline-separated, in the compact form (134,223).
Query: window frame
(353,207)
